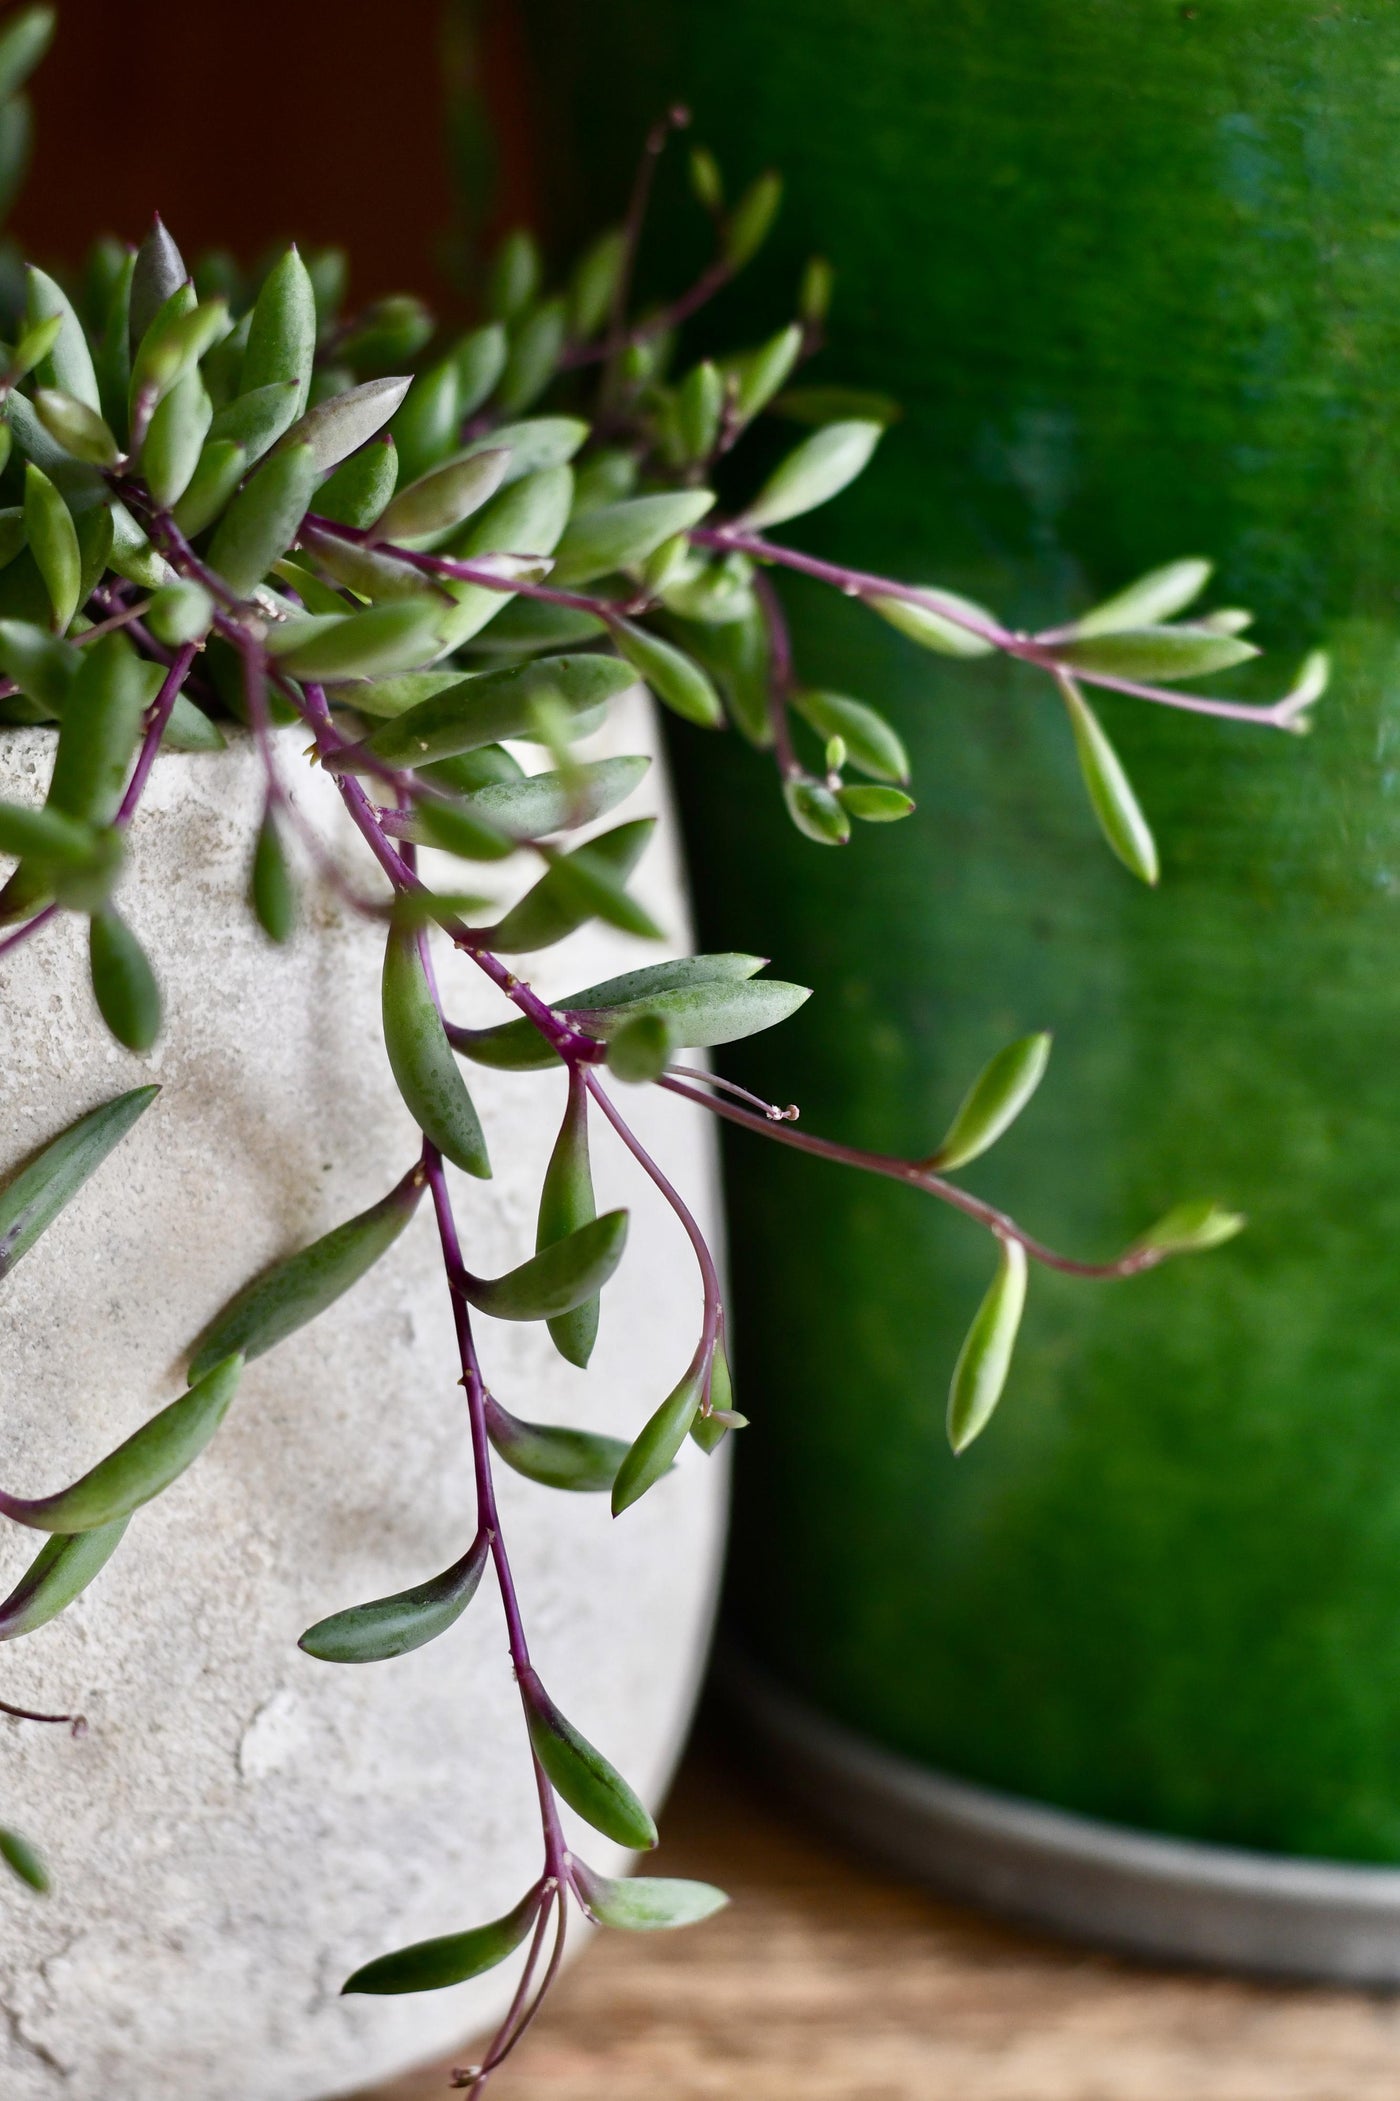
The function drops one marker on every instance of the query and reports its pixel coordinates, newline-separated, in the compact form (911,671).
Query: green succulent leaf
(26,36)
(925,625)
(383,638)
(61,1570)
(336,428)
(123,982)
(654,1450)
(445,496)
(292,1292)
(985,1358)
(282,333)
(875,805)
(53,541)
(673,677)
(1155,654)
(140,1468)
(816,812)
(578,1460)
(541,803)
(646,1903)
(262,520)
(32,1199)
(393,1626)
(422,1062)
(45,835)
(992,1103)
(21,1858)
(820,468)
(77,428)
(751,220)
(358,491)
(640,1048)
(258,418)
(174,443)
(620,535)
(480,359)
(869,739)
(1160,595)
(821,405)
(1192,1228)
(563,1275)
(222,465)
(582,885)
(494,705)
(1110,791)
(272,891)
(429,1966)
(706,1000)
(581,1774)
(535,347)
(68,362)
(566,1204)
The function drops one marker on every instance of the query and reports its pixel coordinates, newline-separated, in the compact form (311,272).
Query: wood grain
(831,1983)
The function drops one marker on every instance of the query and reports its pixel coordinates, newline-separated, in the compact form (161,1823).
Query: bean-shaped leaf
(383,638)
(1110,791)
(816,812)
(535,345)
(336,428)
(869,739)
(653,1452)
(174,441)
(77,428)
(392,1626)
(375,573)
(646,1903)
(159,271)
(707,1000)
(1158,596)
(123,982)
(60,1572)
(47,835)
(428,1966)
(101,724)
(33,1199)
(262,521)
(359,489)
(221,468)
(581,1774)
(258,419)
(993,1102)
(271,889)
(292,1292)
(422,1062)
(818,469)
(42,666)
(672,676)
(454,828)
(556,1457)
(619,535)
(713,1424)
(754,376)
(640,1049)
(180,613)
(985,1357)
(282,334)
(140,1468)
(22,1860)
(579,886)
(1157,654)
(541,803)
(495,705)
(68,364)
(440,500)
(53,541)
(751,220)
(1192,1228)
(874,805)
(425,428)
(566,1203)
(939,631)
(560,1277)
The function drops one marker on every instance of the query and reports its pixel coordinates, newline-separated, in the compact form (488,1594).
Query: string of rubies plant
(229,502)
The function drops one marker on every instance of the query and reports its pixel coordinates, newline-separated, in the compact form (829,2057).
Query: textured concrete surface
(242,1825)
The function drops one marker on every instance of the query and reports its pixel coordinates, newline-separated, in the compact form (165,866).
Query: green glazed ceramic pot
(1133,268)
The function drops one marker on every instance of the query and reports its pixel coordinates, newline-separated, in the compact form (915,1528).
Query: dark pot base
(1169,1899)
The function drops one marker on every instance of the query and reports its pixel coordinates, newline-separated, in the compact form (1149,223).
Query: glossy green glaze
(1134,269)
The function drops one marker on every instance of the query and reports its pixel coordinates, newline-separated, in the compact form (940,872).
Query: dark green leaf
(821,405)
(272,891)
(392,1626)
(60,1572)
(985,1357)
(541,803)
(646,1903)
(101,725)
(581,1774)
(292,1292)
(388,335)
(383,638)
(754,376)
(422,1062)
(142,1467)
(514,278)
(816,812)
(68,364)
(262,521)
(578,1460)
(454,828)
(539,443)
(180,613)
(699,404)
(441,499)
(497,704)
(751,219)
(282,335)
(640,1048)
(22,1860)
(425,428)
(580,886)
(46,835)
(428,1966)
(566,1203)
(480,359)
(256,420)
(123,983)
(340,426)
(158,274)
(534,353)
(654,1450)
(77,428)
(34,1197)
(174,441)
(594,283)
(993,1102)
(560,1277)
(361,486)
(53,541)
(820,468)
(222,465)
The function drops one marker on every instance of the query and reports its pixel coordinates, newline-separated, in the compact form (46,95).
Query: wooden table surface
(826,1982)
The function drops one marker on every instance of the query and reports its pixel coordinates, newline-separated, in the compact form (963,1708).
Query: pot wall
(1132,269)
(243,1825)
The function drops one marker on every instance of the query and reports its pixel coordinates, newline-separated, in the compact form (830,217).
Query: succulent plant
(231,499)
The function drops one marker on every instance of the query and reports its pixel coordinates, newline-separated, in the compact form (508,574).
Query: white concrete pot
(242,1825)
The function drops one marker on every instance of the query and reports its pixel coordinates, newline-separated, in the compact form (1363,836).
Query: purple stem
(159,716)
(709,1275)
